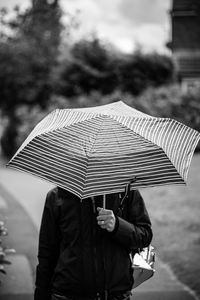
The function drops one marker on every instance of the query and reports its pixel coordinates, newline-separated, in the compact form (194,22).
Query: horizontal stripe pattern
(94,151)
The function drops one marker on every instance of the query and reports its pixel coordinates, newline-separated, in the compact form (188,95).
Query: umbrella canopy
(98,150)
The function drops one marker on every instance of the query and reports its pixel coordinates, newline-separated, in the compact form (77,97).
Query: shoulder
(136,200)
(57,195)
(135,195)
(51,197)
(52,194)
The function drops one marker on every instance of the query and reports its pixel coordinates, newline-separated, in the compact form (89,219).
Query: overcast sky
(125,23)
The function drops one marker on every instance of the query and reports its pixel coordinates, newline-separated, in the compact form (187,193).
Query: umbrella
(98,150)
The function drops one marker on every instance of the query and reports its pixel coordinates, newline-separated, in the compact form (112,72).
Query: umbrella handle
(104,201)
(126,191)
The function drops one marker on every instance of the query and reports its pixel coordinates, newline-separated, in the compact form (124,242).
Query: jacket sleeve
(136,232)
(48,249)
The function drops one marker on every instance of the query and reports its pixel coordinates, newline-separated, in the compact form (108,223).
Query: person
(84,249)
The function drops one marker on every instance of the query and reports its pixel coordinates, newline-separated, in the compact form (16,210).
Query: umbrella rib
(92,146)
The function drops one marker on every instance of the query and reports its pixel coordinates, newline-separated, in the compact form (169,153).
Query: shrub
(173,102)
(140,71)
(92,66)
(3,251)
(167,102)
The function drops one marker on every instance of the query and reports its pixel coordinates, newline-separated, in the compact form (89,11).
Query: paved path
(21,201)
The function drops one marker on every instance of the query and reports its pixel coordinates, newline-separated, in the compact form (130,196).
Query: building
(185,43)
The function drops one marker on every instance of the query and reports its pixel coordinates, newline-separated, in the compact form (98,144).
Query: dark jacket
(76,256)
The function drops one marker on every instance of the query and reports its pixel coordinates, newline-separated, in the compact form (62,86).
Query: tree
(41,26)
(29,49)
(140,71)
(90,67)
(93,66)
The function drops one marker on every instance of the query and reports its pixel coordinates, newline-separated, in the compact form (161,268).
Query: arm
(48,249)
(136,232)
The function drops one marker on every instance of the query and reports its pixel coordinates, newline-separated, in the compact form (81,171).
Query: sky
(127,24)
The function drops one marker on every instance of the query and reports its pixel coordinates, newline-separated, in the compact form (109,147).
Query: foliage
(3,251)
(28,55)
(89,67)
(29,47)
(170,101)
(37,74)
(93,66)
(140,71)
(189,109)
(174,102)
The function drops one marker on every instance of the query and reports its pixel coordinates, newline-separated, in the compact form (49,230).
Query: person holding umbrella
(84,249)
(89,153)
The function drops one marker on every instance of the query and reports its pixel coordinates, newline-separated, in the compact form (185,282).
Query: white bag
(143,265)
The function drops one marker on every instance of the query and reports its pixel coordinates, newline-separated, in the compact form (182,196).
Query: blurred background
(83,53)
(79,53)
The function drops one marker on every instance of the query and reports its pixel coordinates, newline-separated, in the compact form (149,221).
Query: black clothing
(76,256)
(123,296)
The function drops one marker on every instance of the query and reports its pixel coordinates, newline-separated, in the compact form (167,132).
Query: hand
(106,219)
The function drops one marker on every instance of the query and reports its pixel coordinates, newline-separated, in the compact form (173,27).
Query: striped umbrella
(98,150)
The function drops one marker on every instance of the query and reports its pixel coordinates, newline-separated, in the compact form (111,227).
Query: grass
(175,215)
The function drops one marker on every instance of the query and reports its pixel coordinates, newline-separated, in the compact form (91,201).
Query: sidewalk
(23,223)
(18,283)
